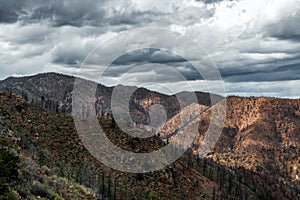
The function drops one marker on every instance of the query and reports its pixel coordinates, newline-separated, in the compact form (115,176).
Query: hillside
(258,152)
(261,138)
(53,164)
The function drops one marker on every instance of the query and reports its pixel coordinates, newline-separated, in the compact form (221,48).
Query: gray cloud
(264,76)
(61,13)
(72,13)
(71,53)
(151,57)
(209,1)
(148,56)
(288,28)
(10,10)
(249,45)
(93,13)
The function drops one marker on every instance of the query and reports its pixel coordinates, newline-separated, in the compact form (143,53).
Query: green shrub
(9,165)
(149,194)
(40,190)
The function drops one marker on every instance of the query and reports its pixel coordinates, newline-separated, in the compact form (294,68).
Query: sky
(254,43)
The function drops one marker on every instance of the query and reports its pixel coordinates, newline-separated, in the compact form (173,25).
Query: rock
(45,170)
(10,133)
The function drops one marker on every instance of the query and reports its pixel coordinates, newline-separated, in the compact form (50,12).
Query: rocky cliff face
(261,135)
(260,140)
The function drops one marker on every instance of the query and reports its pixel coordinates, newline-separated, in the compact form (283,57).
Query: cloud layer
(255,44)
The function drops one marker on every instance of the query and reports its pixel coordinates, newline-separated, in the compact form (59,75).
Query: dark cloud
(288,28)
(134,17)
(165,57)
(73,13)
(72,55)
(10,10)
(212,1)
(137,58)
(270,73)
(148,56)
(56,35)
(265,76)
(61,13)
(270,69)
(68,59)
(291,68)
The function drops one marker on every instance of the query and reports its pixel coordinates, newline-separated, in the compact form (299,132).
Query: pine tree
(102,184)
(115,187)
(214,193)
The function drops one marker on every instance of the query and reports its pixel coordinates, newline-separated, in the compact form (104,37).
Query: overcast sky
(254,43)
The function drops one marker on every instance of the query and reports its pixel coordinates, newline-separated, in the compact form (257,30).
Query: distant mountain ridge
(53,91)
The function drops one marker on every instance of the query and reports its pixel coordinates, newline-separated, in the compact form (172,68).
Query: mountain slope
(55,164)
(261,136)
(259,144)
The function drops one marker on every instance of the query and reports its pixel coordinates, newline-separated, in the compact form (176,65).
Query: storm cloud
(251,42)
